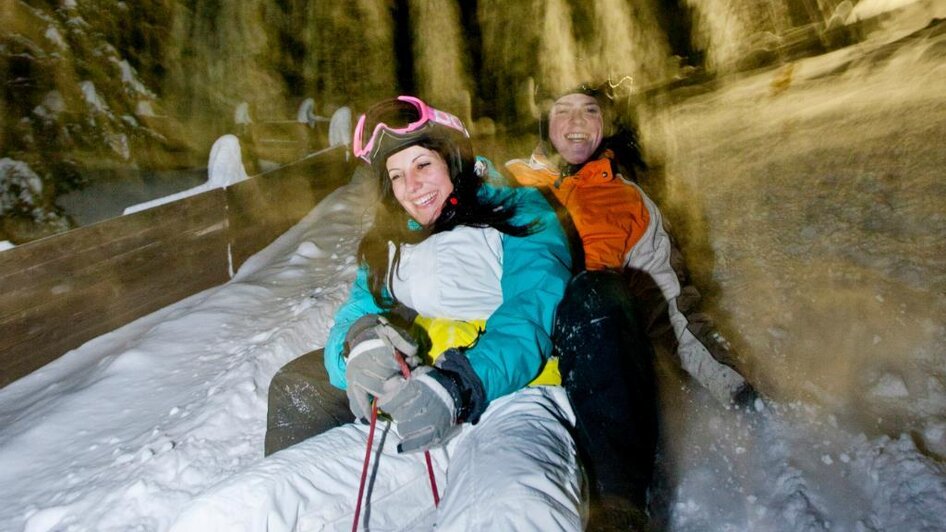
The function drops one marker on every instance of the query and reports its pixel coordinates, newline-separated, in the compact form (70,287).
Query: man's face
(575,127)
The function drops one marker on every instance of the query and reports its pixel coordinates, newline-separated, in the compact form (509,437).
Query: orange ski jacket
(609,213)
(621,228)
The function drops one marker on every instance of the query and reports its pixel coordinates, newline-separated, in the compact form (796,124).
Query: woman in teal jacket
(516,342)
(487,265)
(476,273)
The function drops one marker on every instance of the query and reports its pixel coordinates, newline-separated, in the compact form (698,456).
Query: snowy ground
(119,433)
(122,432)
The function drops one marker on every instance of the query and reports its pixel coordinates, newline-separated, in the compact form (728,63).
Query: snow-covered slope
(119,433)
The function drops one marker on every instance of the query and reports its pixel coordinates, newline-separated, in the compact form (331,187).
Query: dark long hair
(464,206)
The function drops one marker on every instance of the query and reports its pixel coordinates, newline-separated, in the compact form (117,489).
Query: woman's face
(420,181)
(575,126)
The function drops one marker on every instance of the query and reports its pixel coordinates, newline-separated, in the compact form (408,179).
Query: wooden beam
(59,292)
(266,206)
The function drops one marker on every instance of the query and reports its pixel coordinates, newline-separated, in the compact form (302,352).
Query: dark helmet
(397,123)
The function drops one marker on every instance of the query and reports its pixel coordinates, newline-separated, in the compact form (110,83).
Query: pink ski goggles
(366,149)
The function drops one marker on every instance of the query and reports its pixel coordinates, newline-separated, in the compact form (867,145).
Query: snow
(225,166)
(339,128)
(890,385)
(21,186)
(56,38)
(118,142)
(91,96)
(869,8)
(306,112)
(130,77)
(833,296)
(121,432)
(144,108)
(54,102)
(241,114)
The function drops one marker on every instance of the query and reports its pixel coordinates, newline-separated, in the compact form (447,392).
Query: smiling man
(575,127)
(588,166)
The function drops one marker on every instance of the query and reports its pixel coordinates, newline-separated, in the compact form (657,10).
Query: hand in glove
(429,406)
(423,407)
(374,346)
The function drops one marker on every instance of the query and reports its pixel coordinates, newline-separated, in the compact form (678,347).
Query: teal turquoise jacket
(516,342)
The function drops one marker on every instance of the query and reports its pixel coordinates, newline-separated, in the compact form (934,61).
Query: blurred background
(135,93)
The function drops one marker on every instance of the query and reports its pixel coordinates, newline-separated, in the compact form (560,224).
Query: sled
(303,381)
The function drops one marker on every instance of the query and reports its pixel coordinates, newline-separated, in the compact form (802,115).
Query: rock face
(82,90)
(114,84)
(811,207)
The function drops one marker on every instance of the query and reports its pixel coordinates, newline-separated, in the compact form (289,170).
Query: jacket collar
(595,171)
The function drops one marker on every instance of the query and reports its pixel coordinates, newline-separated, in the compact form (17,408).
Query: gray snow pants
(302,403)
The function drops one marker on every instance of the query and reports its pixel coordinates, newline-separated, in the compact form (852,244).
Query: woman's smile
(426,200)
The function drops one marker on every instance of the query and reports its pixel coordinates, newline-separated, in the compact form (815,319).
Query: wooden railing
(59,292)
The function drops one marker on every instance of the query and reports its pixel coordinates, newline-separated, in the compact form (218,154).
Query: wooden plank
(150,274)
(59,292)
(109,233)
(265,207)
(93,243)
(124,272)
(30,356)
(122,267)
(27,357)
(83,324)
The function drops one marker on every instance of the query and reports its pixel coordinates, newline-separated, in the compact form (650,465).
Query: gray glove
(424,408)
(374,346)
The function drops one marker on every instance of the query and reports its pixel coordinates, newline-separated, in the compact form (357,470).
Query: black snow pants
(606,361)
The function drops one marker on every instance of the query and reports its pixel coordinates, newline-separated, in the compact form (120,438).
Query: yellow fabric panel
(442,334)
(549,376)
